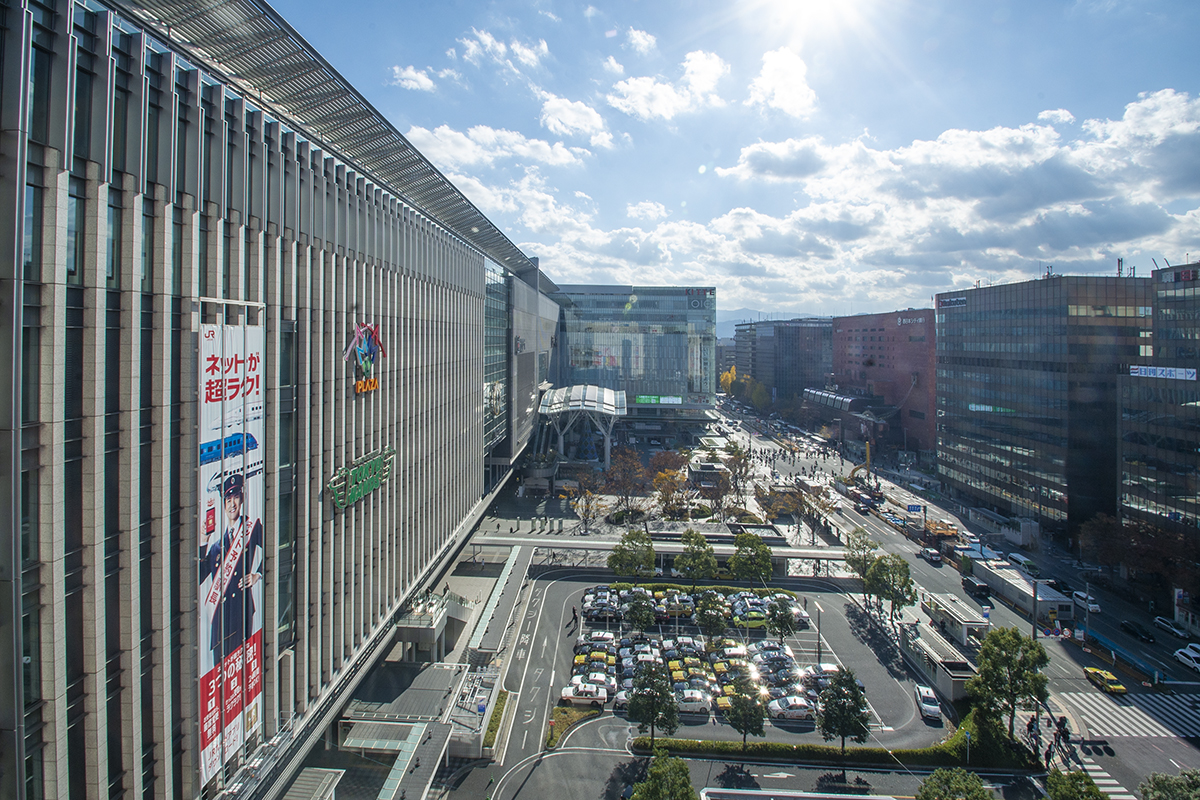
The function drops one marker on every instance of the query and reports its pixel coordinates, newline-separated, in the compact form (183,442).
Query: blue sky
(825,157)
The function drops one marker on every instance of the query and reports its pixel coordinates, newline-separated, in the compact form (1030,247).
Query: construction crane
(866,464)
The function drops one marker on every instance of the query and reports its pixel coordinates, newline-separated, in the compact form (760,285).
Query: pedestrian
(1049,756)
(574,614)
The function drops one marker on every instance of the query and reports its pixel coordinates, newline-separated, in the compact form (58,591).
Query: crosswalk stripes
(1105,782)
(1139,715)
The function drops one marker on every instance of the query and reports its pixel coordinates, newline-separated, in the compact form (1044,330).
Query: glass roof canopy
(566,399)
(258,50)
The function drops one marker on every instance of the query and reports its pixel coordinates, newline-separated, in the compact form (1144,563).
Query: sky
(807,157)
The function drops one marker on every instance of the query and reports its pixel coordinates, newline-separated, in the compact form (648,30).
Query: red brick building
(891,355)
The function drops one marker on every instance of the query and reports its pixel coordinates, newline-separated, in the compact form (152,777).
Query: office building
(252,333)
(657,343)
(890,356)
(786,356)
(1027,396)
(726,355)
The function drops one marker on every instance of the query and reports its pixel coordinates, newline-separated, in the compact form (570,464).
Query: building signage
(1171,373)
(909,320)
(952,302)
(658,400)
(230,574)
(364,347)
(1180,275)
(351,484)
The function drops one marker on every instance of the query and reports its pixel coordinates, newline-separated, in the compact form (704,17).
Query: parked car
(1189,658)
(927,702)
(1086,600)
(1137,629)
(1171,626)
(793,707)
(584,694)
(692,701)
(1104,680)
(931,555)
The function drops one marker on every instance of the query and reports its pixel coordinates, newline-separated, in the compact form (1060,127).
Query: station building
(266,368)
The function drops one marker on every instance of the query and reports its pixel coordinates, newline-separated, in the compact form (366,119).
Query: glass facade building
(1027,393)
(786,356)
(657,343)
(158,197)
(1160,413)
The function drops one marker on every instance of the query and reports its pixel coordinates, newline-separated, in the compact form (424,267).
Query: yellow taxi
(723,704)
(1104,680)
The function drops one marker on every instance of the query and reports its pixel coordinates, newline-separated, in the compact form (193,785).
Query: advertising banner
(230,575)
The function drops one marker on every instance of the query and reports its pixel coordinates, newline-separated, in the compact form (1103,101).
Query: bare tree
(626,478)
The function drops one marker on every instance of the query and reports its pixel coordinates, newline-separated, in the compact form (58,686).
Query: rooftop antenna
(1120,266)
(1168,263)
(1155,263)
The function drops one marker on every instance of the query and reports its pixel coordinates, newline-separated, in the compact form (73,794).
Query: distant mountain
(727,319)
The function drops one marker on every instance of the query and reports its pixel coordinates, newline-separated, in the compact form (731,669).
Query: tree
(844,710)
(668,779)
(751,559)
(889,579)
(715,490)
(953,784)
(668,460)
(860,554)
(710,616)
(781,621)
(671,486)
(633,556)
(1009,676)
(697,561)
(746,710)
(586,501)
(1077,785)
(640,615)
(652,701)
(1160,786)
(625,478)
(739,466)
(727,378)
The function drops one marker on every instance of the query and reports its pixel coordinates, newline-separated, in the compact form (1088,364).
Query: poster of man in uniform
(230,541)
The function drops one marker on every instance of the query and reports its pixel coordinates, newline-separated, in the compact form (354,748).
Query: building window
(147,245)
(40,62)
(32,235)
(916,414)
(112,262)
(31,362)
(76,213)
(83,107)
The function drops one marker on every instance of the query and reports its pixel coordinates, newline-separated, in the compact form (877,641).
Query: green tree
(640,614)
(889,579)
(625,478)
(751,559)
(746,710)
(633,555)
(844,710)
(1161,786)
(710,616)
(781,621)
(1077,785)
(668,779)
(698,560)
(652,702)
(1009,676)
(860,554)
(953,784)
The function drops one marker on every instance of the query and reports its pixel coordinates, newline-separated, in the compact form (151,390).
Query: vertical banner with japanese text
(230,574)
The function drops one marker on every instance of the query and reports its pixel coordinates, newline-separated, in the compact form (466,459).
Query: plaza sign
(351,484)
(658,400)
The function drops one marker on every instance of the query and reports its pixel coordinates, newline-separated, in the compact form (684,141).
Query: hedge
(686,588)
(989,748)
(493,728)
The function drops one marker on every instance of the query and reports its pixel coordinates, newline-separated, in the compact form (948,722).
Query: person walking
(575,615)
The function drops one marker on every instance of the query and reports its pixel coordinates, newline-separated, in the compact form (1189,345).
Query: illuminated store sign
(951,302)
(658,400)
(1171,373)
(363,348)
(353,483)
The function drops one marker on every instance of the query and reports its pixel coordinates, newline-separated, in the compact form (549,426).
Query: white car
(931,555)
(770,647)
(793,707)
(1188,658)
(584,694)
(693,701)
(927,703)
(1171,626)
(1086,600)
(609,682)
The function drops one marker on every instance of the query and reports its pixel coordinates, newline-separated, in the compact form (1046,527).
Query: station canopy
(592,399)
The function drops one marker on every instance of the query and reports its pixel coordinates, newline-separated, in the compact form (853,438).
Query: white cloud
(590,12)
(646,97)
(530,55)
(449,74)
(646,209)
(483,44)
(602,139)
(641,41)
(481,146)
(565,117)
(550,15)
(1057,116)
(613,66)
(782,84)
(452,54)
(412,78)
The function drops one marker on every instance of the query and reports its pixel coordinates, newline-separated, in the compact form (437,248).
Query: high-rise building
(1160,419)
(890,356)
(657,343)
(786,356)
(265,365)
(1027,393)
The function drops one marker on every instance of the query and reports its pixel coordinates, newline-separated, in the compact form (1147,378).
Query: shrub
(489,738)
(701,511)
(687,588)
(563,718)
(623,516)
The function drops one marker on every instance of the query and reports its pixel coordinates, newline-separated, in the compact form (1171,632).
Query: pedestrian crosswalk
(1140,715)
(1105,782)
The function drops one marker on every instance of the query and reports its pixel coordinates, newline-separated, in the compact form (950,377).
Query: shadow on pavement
(625,774)
(836,783)
(867,631)
(735,776)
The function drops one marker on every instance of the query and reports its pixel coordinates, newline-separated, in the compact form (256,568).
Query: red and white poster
(230,575)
